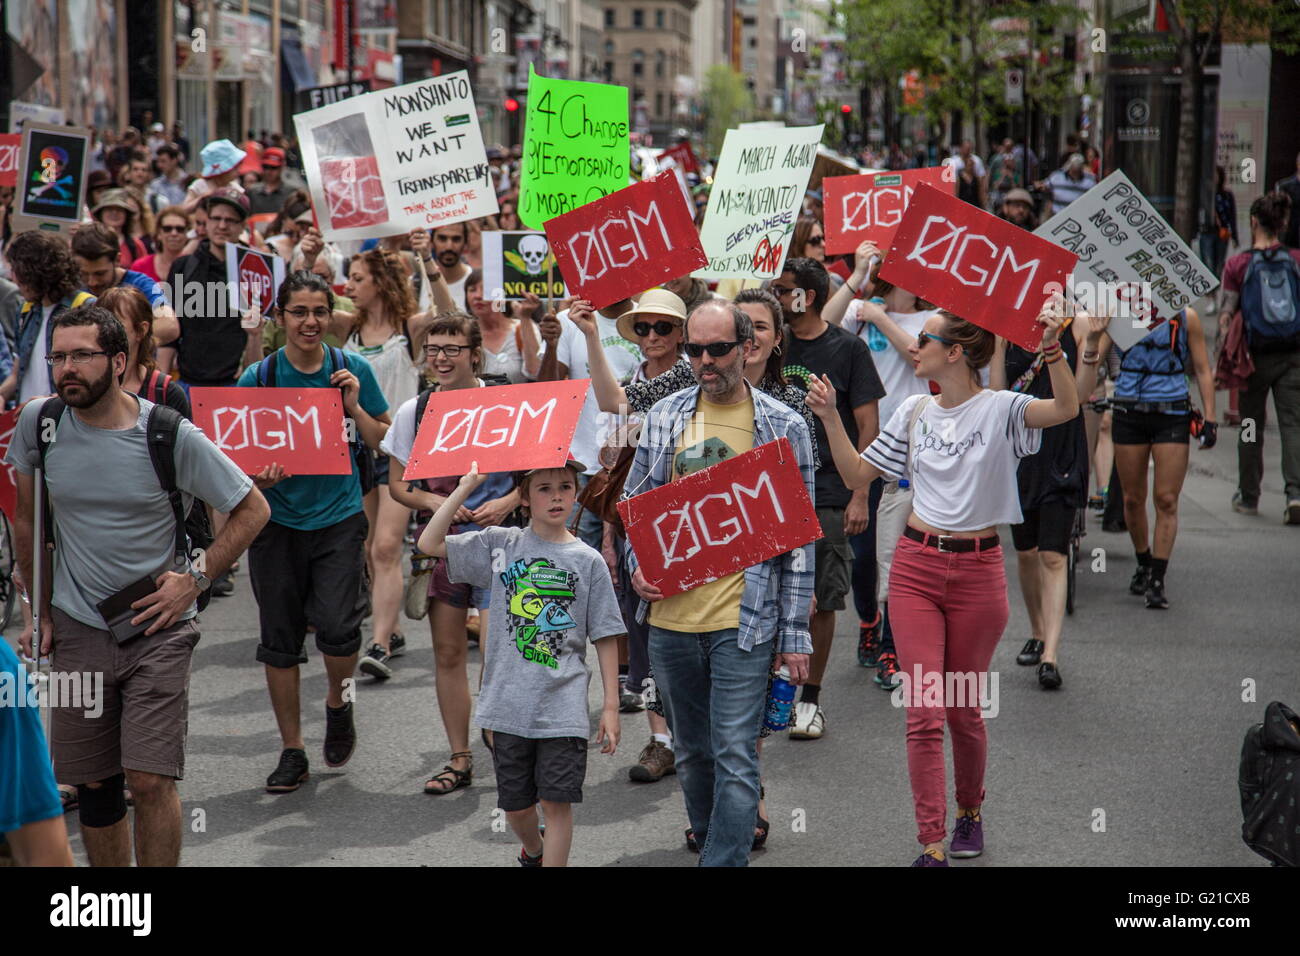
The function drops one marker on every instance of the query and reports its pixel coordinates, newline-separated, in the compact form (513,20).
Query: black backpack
(193,530)
(1269,780)
(360,450)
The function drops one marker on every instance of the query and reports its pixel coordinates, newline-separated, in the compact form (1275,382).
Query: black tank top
(1058,471)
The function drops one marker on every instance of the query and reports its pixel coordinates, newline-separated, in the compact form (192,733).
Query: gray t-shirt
(112,521)
(548,600)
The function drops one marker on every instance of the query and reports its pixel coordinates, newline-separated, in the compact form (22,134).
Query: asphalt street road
(1144,737)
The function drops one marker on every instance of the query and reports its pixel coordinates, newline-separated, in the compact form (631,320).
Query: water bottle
(780,702)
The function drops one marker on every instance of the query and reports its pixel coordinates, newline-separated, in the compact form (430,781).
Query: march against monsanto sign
(722,519)
(516,263)
(502,427)
(253,279)
(758,189)
(403,158)
(975,265)
(871,206)
(300,429)
(1132,265)
(630,241)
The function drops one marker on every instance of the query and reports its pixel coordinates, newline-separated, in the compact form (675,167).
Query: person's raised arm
(1045,412)
(417,499)
(609,394)
(998,365)
(439,294)
(855,471)
(838,304)
(433,539)
(1092,329)
(551,368)
(532,345)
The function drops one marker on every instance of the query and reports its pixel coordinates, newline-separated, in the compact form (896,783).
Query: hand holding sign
(821,396)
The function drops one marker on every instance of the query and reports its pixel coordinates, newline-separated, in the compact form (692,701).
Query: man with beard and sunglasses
(713,647)
(115,529)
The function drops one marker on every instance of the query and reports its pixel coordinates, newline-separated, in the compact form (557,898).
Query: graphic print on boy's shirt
(539,597)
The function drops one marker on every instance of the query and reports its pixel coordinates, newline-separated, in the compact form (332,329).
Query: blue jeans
(864,559)
(713,695)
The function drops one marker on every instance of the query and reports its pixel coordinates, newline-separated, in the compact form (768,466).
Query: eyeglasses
(924,337)
(223,220)
(662,327)
(716,349)
(779,290)
(173,228)
(451,351)
(301,313)
(79,357)
(814,240)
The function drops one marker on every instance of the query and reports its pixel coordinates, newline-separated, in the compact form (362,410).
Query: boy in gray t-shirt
(550,595)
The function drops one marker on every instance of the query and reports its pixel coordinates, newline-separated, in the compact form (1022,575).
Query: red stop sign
(256,283)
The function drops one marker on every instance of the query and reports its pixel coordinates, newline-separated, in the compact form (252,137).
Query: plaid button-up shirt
(778,592)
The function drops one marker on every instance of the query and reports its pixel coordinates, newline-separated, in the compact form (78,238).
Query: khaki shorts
(140,719)
(833,556)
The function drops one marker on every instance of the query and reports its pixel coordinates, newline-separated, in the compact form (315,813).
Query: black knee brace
(104,805)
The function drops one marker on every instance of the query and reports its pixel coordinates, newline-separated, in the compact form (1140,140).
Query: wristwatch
(200,579)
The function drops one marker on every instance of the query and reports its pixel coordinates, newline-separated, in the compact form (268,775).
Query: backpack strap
(47,424)
(162,429)
(266,370)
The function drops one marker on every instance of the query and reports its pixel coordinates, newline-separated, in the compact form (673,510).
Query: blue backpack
(1270,300)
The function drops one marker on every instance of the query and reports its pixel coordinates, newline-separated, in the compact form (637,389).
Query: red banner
(503,428)
(722,519)
(684,156)
(9,149)
(630,241)
(300,429)
(975,265)
(871,206)
(9,479)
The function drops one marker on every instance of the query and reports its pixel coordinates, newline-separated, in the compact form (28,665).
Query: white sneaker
(809,722)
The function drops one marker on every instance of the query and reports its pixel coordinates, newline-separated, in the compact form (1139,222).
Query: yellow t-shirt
(715,433)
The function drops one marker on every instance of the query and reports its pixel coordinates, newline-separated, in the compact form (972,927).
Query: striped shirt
(1066,190)
(778,592)
(963,460)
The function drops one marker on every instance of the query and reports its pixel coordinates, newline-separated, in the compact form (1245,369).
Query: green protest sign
(575,146)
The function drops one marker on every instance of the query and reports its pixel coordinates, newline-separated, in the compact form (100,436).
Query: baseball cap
(273,156)
(220,156)
(654,302)
(233,198)
(1075,160)
(1019,195)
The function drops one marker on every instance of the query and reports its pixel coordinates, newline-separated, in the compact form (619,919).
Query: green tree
(727,103)
(1251,21)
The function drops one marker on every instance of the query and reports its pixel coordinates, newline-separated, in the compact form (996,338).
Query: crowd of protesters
(847,367)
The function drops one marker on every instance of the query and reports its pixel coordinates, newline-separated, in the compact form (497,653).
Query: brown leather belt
(950,544)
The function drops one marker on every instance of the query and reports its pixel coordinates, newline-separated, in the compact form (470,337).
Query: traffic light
(846,109)
(511,104)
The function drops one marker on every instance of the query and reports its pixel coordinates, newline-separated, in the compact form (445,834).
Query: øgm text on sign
(300,429)
(503,428)
(722,519)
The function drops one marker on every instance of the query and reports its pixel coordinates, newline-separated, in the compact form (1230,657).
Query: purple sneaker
(926,859)
(967,837)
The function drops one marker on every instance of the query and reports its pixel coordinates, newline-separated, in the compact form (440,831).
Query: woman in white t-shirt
(948,587)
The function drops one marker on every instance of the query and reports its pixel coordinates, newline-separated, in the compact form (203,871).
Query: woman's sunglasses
(173,228)
(661,328)
(814,240)
(716,349)
(924,337)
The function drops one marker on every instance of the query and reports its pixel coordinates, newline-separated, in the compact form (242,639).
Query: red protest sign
(9,479)
(300,429)
(871,206)
(722,519)
(503,428)
(683,156)
(10,144)
(630,241)
(975,265)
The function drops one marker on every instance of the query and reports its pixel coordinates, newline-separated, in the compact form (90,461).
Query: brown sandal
(449,778)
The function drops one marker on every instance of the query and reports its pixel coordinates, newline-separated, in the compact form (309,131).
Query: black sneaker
(526,860)
(222,586)
(1031,653)
(1049,678)
(396,645)
(375,662)
(340,735)
(291,772)
(869,641)
(1141,577)
(1156,595)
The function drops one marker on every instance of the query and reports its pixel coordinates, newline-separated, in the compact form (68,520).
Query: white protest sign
(408,157)
(20,112)
(1132,265)
(758,190)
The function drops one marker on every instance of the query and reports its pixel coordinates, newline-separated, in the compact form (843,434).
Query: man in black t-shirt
(818,348)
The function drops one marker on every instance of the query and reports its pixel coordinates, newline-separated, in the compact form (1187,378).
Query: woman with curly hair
(389,333)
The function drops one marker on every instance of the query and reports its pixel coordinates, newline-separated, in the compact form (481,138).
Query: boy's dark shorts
(530,769)
(833,558)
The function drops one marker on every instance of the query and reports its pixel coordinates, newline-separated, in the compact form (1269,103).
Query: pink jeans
(948,612)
